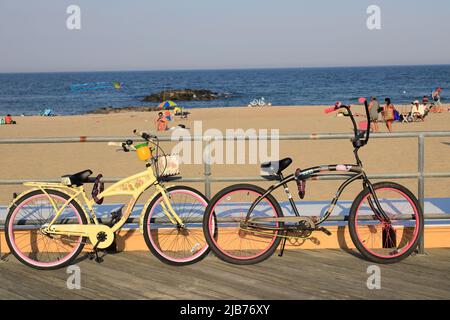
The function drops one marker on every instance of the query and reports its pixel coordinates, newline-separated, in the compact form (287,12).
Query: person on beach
(161,122)
(388,113)
(436,96)
(8,120)
(418,111)
(373,113)
(168,115)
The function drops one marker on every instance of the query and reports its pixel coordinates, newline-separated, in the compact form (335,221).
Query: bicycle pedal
(324,230)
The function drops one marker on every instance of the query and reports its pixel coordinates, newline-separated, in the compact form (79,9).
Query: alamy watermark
(74,278)
(220,148)
(374,20)
(374,279)
(73,21)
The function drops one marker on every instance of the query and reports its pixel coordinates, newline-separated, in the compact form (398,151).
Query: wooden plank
(299,274)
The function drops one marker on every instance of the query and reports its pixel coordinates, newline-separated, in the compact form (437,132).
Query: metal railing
(207,178)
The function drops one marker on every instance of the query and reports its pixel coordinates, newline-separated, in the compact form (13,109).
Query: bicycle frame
(133,186)
(311,174)
(356,172)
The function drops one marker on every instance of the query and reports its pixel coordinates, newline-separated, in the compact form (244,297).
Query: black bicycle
(244,224)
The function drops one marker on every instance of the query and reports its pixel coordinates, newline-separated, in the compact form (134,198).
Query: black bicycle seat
(277,166)
(77,179)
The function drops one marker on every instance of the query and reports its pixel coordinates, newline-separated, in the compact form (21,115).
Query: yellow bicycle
(48,226)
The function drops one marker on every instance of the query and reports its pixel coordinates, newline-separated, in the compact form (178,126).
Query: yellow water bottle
(143,151)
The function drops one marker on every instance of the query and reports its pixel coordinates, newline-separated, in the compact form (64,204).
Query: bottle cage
(301,184)
(98,188)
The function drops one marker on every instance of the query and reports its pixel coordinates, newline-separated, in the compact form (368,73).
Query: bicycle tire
(211,234)
(418,231)
(10,237)
(155,247)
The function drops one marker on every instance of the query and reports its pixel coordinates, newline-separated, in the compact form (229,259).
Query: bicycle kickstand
(95,252)
(283,244)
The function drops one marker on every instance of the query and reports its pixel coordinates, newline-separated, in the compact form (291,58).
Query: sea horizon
(30,93)
(231,68)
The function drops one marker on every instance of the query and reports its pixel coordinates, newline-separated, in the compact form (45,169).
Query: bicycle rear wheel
(383,242)
(224,231)
(25,220)
(170,243)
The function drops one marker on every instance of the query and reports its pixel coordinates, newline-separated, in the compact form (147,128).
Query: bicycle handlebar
(366,106)
(144,135)
(357,142)
(329,110)
(128,145)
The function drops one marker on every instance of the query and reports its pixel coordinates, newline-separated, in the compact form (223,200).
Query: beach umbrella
(167,105)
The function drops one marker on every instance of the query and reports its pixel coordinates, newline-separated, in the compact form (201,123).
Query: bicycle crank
(99,235)
(302,229)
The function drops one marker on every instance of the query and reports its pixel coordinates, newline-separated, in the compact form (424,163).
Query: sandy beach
(46,161)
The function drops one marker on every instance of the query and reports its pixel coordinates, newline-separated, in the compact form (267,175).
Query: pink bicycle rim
(193,257)
(230,255)
(415,229)
(20,253)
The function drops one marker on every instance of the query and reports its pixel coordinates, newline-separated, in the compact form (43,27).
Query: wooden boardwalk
(303,274)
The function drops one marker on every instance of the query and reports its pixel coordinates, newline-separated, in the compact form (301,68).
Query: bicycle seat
(276,166)
(77,179)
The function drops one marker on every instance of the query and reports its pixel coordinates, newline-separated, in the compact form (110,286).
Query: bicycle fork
(377,209)
(168,209)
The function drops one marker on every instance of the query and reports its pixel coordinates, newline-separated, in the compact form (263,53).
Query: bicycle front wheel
(234,242)
(169,242)
(380,241)
(24,224)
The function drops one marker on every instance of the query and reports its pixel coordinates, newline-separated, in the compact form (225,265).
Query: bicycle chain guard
(301,184)
(98,188)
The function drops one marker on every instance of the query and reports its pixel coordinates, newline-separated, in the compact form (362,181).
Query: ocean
(30,93)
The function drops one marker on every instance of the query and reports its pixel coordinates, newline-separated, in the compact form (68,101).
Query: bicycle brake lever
(124,147)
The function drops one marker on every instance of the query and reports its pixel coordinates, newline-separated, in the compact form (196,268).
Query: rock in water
(183,95)
(108,110)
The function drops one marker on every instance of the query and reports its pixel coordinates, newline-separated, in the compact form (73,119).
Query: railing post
(421,186)
(207,168)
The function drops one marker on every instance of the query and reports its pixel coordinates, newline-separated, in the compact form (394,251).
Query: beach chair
(419,113)
(406,111)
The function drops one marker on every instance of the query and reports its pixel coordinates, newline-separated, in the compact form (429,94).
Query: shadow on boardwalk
(306,274)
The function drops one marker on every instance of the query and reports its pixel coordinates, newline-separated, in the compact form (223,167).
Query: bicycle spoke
(180,244)
(30,243)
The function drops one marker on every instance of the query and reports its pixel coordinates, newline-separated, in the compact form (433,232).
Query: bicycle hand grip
(115,144)
(329,110)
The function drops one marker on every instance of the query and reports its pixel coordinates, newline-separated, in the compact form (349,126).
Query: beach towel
(396,115)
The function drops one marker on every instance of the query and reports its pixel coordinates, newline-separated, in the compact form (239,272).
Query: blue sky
(207,34)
